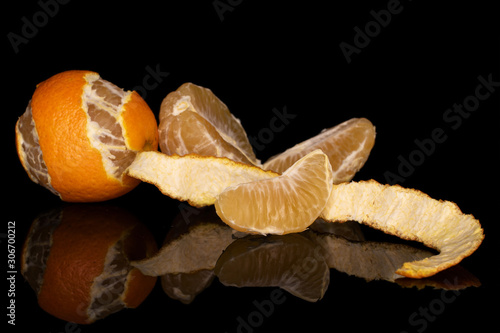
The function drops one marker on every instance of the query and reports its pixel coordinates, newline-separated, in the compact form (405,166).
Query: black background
(262,56)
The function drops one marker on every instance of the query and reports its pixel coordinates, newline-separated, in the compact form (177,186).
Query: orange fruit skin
(138,116)
(74,165)
(79,247)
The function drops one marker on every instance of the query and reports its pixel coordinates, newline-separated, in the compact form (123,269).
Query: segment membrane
(38,247)
(30,152)
(108,287)
(104,103)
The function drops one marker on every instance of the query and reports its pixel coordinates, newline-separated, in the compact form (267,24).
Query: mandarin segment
(79,134)
(281,205)
(347,146)
(194,121)
(412,215)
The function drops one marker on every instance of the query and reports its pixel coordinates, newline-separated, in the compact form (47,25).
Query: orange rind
(411,215)
(193,178)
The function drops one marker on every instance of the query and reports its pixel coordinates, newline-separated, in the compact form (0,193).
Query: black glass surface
(426,75)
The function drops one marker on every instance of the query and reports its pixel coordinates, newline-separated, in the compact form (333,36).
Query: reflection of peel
(368,260)
(196,249)
(349,230)
(298,263)
(291,262)
(454,278)
(379,261)
(186,286)
(411,215)
(189,253)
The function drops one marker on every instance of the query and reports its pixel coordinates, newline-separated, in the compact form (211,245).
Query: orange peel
(411,215)
(193,178)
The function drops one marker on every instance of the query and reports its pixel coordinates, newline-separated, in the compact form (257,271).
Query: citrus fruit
(79,133)
(280,205)
(412,215)
(193,178)
(291,262)
(347,145)
(193,249)
(194,121)
(78,262)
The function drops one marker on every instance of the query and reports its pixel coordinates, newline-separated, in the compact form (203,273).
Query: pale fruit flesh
(194,121)
(347,146)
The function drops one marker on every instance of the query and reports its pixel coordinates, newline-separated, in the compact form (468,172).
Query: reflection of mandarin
(291,262)
(77,261)
(79,133)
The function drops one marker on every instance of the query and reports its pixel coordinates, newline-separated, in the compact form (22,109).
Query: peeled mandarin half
(347,146)
(412,215)
(194,121)
(79,133)
(280,205)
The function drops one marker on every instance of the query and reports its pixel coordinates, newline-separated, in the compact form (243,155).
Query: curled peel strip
(411,215)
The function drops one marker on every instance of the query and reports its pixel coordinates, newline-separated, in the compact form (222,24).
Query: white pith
(95,130)
(23,146)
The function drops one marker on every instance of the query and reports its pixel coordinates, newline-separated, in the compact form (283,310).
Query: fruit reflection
(192,244)
(200,247)
(77,259)
(291,262)
(184,287)
(189,253)
(345,249)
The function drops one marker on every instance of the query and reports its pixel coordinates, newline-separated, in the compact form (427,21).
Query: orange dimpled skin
(84,133)
(138,116)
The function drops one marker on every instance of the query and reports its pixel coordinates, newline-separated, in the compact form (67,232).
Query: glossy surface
(205,260)
(280,68)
